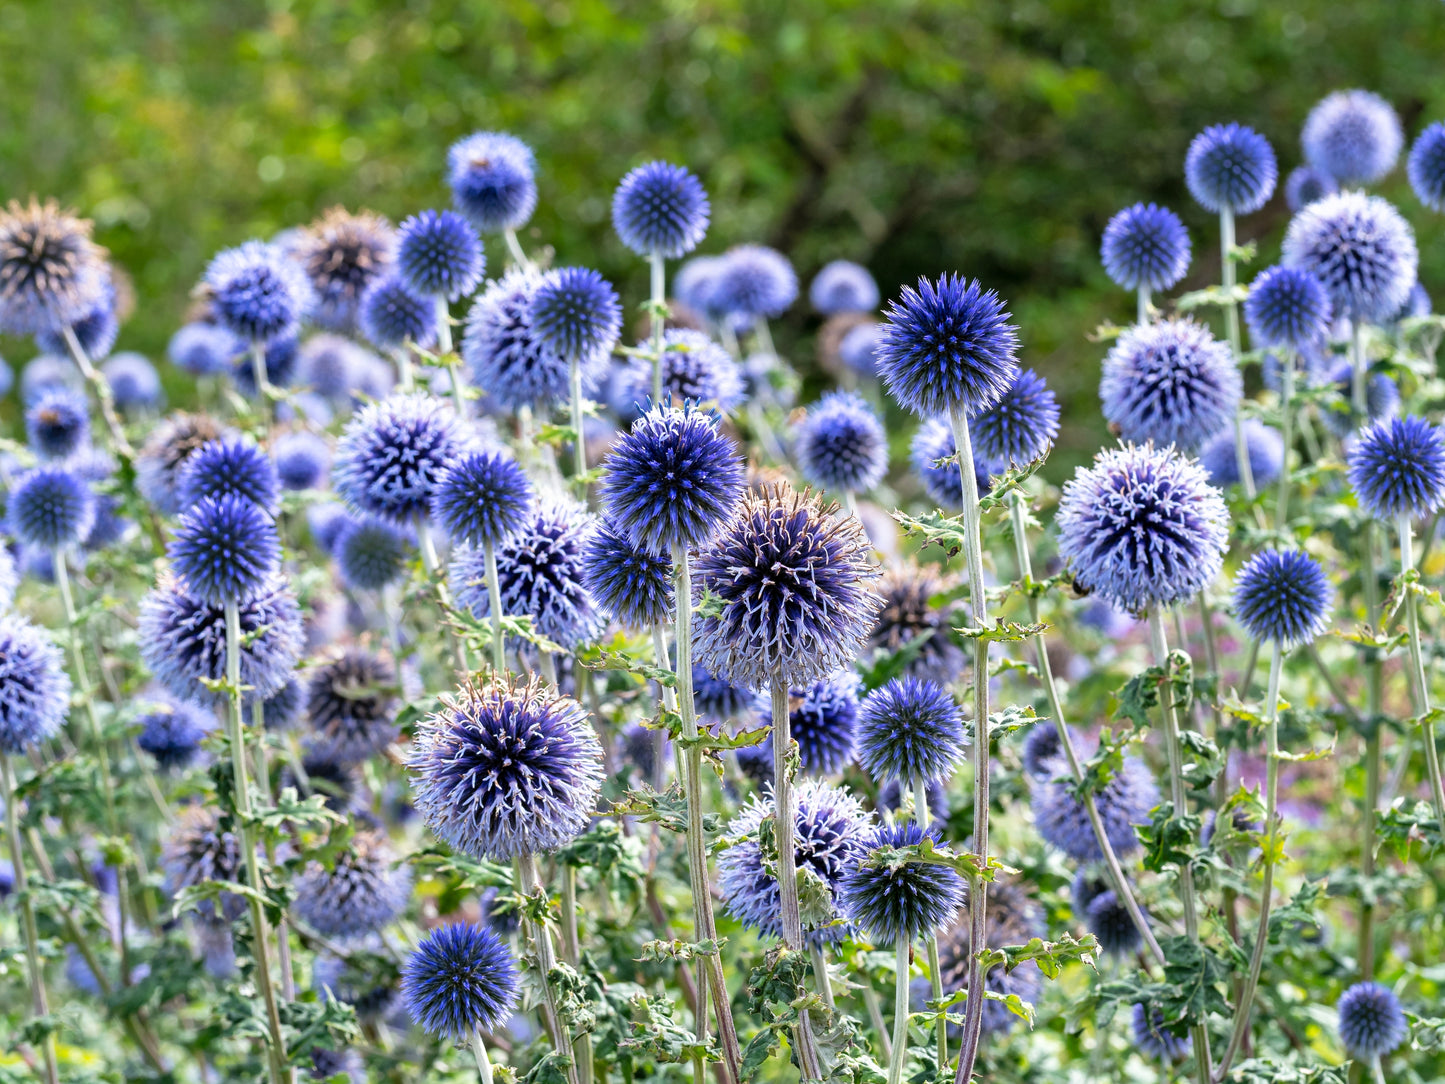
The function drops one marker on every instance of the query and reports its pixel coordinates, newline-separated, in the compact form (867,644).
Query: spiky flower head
(1155,1038)
(1288,307)
(1305,184)
(1011,918)
(392,315)
(1104,915)
(371,553)
(830,830)
(1283,596)
(257,292)
(693,368)
(504,769)
(440,255)
(58,423)
(1170,382)
(1145,246)
(51,273)
(1230,167)
(910,729)
(162,458)
(197,851)
(1382,399)
(225,549)
(232,467)
(504,353)
(482,497)
(720,699)
(795,586)
(672,480)
(172,731)
(1372,1023)
(858,349)
(1353,136)
(34,687)
(753,281)
(633,583)
(840,444)
(458,980)
(1426,167)
(1220,458)
(343,255)
(822,718)
(351,706)
(340,785)
(931,447)
(50,508)
(843,286)
(1397,468)
(331,365)
(897,899)
(133,380)
(1123,803)
(204,349)
(491,175)
(363,891)
(908,614)
(392,454)
(1020,426)
(660,209)
(303,459)
(1362,251)
(576,312)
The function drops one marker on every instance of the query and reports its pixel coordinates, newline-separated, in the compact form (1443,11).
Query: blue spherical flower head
(908,614)
(1305,184)
(1155,1038)
(163,457)
(947,346)
(693,284)
(482,497)
(50,507)
(1230,168)
(393,315)
(492,180)
(351,706)
(1362,251)
(660,209)
(694,368)
(575,312)
(1426,167)
(1220,458)
(229,467)
(932,443)
(1288,307)
(1397,468)
(362,892)
(1124,803)
(1020,426)
(1283,596)
(840,444)
(58,423)
(1145,246)
(1352,136)
(225,549)
(672,480)
(753,281)
(504,770)
(440,255)
(830,830)
(172,732)
(795,584)
(1170,382)
(392,454)
(504,353)
(719,699)
(897,899)
(134,382)
(1372,1023)
(634,584)
(910,730)
(460,979)
(257,292)
(302,460)
(203,349)
(371,553)
(280,358)
(1142,527)
(1104,916)
(51,273)
(1382,399)
(34,687)
(197,851)
(343,255)
(843,286)
(822,718)
(331,365)
(858,349)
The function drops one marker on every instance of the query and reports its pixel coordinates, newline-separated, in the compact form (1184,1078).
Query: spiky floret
(163,456)
(393,316)
(172,730)
(343,254)
(222,467)
(634,584)
(1170,382)
(362,891)
(197,851)
(1145,245)
(57,423)
(1020,426)
(895,899)
(840,444)
(371,553)
(660,209)
(843,286)
(34,687)
(1353,136)
(1426,167)
(482,497)
(303,459)
(51,273)
(910,730)
(50,507)
(1156,1038)
(1011,918)
(794,582)
(133,380)
(1362,251)
(1288,307)
(1123,803)
(505,355)
(1220,458)
(1230,167)
(332,365)
(204,349)
(822,717)
(908,614)
(503,770)
(460,979)
(225,549)
(351,705)
(440,255)
(392,454)
(491,175)
(1283,596)
(693,368)
(753,281)
(1397,468)
(257,292)
(721,699)
(1372,1023)
(1104,915)
(1305,184)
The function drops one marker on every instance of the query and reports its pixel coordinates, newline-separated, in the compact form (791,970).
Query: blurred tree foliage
(994,137)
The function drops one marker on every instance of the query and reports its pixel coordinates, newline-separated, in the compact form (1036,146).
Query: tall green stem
(432,566)
(1374,685)
(572,953)
(1418,676)
(1231,327)
(514,249)
(1143,304)
(659,321)
(546,963)
(1286,395)
(101,386)
(935,963)
(579,441)
(444,348)
(494,599)
(479,1051)
(900,1012)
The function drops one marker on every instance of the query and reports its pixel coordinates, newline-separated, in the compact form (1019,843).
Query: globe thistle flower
(1283,596)
(720,699)
(1426,167)
(373,997)
(197,851)
(225,549)
(1154,1038)
(830,832)
(540,569)
(204,349)
(172,732)
(34,687)
(58,423)
(491,175)
(1104,915)
(50,507)
(858,349)
(1170,382)
(482,497)
(371,553)
(1372,1023)
(894,901)
(1021,425)
(1230,168)
(257,293)
(326,1064)
(753,281)
(822,718)
(458,980)
(1382,400)
(1145,247)
(331,365)
(840,444)
(693,284)
(504,353)
(504,770)
(634,584)
(947,345)
(1304,185)
(1352,136)
(660,209)
(440,255)
(1011,918)
(1043,753)
(51,273)
(46,372)
(575,312)
(1220,458)
(183,640)
(1287,307)
(910,730)
(392,316)
(392,454)
(364,891)
(1124,803)
(108,526)
(795,586)
(907,614)
(303,460)
(694,368)
(326,520)
(672,480)
(281,356)
(96,331)
(1360,248)
(1419,304)
(1396,468)
(843,286)
(340,785)
(933,442)
(133,380)
(351,706)
(343,255)
(224,468)
(282,709)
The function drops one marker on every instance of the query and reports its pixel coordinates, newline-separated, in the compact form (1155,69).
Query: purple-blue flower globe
(96,331)
(225,549)
(908,614)
(1142,527)
(1362,251)
(660,209)
(1426,167)
(161,460)
(753,280)
(947,345)
(1397,468)
(371,554)
(482,497)
(50,508)
(440,255)
(491,175)
(257,292)
(934,442)
(843,286)
(505,355)
(223,467)
(1305,184)
(342,254)
(1123,804)
(1372,1023)
(134,382)
(576,312)
(302,460)
(1220,458)
(1145,246)
(840,444)
(634,584)
(351,705)
(458,980)
(693,368)
(910,729)
(34,687)
(332,365)
(1283,597)
(1021,424)
(822,718)
(859,348)
(51,273)
(900,900)
(1156,1039)
(1353,136)
(172,732)
(1104,916)
(1170,382)
(1230,167)
(393,453)
(393,315)
(57,423)
(721,699)
(693,284)
(1288,307)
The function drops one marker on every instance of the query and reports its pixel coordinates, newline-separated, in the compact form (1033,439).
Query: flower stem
(431,565)
(1286,393)
(1417,672)
(97,380)
(444,348)
(572,953)
(1143,304)
(514,249)
(494,598)
(820,975)
(546,962)
(875,1014)
(479,1051)
(659,321)
(1231,327)
(900,1012)
(579,442)
(263,384)
(935,968)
